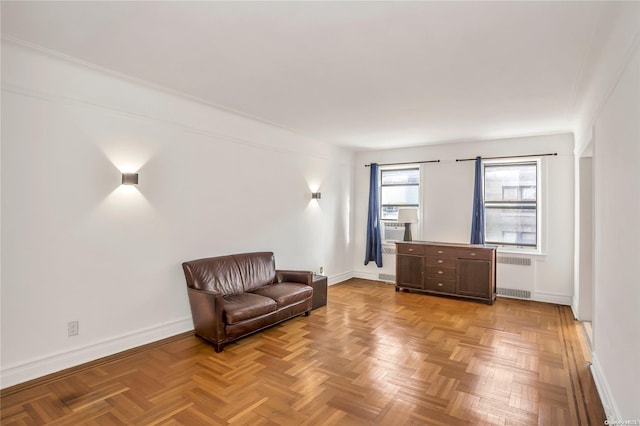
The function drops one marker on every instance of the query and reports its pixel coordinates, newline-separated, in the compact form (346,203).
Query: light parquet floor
(371,356)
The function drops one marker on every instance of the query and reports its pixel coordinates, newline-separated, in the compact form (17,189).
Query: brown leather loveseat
(236,295)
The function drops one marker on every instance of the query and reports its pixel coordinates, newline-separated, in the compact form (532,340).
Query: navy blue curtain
(477,220)
(374,243)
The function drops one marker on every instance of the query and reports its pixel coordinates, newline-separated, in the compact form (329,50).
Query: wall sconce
(316,195)
(129,178)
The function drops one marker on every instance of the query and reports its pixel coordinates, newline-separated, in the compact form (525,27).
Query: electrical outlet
(322,270)
(73,328)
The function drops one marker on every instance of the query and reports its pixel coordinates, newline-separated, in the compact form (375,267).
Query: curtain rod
(509,156)
(409,162)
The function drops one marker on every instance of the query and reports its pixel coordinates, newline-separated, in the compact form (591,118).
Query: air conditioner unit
(392,231)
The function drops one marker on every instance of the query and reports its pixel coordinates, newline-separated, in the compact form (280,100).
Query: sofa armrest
(207,312)
(303,277)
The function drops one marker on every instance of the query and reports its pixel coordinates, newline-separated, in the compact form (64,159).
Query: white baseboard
(366,275)
(559,299)
(608,403)
(24,371)
(338,278)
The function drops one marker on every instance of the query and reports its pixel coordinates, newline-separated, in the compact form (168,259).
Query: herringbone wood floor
(372,356)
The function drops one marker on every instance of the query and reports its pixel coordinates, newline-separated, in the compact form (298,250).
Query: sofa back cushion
(232,274)
(256,269)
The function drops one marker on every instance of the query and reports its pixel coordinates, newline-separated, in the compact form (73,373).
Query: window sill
(521,251)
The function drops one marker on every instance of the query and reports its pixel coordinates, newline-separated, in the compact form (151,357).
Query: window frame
(418,206)
(537,204)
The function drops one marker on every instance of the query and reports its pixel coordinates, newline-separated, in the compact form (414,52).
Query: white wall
(616,320)
(608,122)
(78,246)
(446,209)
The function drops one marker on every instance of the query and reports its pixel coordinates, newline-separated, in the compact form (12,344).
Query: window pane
(529,193)
(399,188)
(514,182)
(389,213)
(509,192)
(401,195)
(515,226)
(400,177)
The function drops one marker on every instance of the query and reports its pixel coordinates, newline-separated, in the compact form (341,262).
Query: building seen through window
(511,204)
(399,188)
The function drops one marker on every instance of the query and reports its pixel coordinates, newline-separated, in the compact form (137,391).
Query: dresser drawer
(414,249)
(441,272)
(481,254)
(441,251)
(445,286)
(443,262)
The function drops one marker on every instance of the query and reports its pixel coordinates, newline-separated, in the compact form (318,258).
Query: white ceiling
(364,75)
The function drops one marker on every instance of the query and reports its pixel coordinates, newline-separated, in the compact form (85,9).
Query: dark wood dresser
(462,270)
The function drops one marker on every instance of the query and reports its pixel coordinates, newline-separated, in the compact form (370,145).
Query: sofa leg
(219,347)
(306,314)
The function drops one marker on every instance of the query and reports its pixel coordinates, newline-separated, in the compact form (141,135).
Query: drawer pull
(440,285)
(440,272)
(410,249)
(473,253)
(440,252)
(440,261)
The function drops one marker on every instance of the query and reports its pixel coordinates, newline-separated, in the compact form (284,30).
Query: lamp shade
(407,215)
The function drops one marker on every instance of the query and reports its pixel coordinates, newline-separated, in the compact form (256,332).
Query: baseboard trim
(373,276)
(558,299)
(59,363)
(335,279)
(608,403)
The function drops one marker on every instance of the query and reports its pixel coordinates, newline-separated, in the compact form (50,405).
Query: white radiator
(515,277)
(513,292)
(513,260)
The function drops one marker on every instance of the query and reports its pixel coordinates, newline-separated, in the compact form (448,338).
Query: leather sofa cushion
(285,294)
(240,307)
(256,269)
(219,274)
(233,274)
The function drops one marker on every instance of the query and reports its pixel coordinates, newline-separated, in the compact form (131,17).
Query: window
(511,203)
(399,188)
